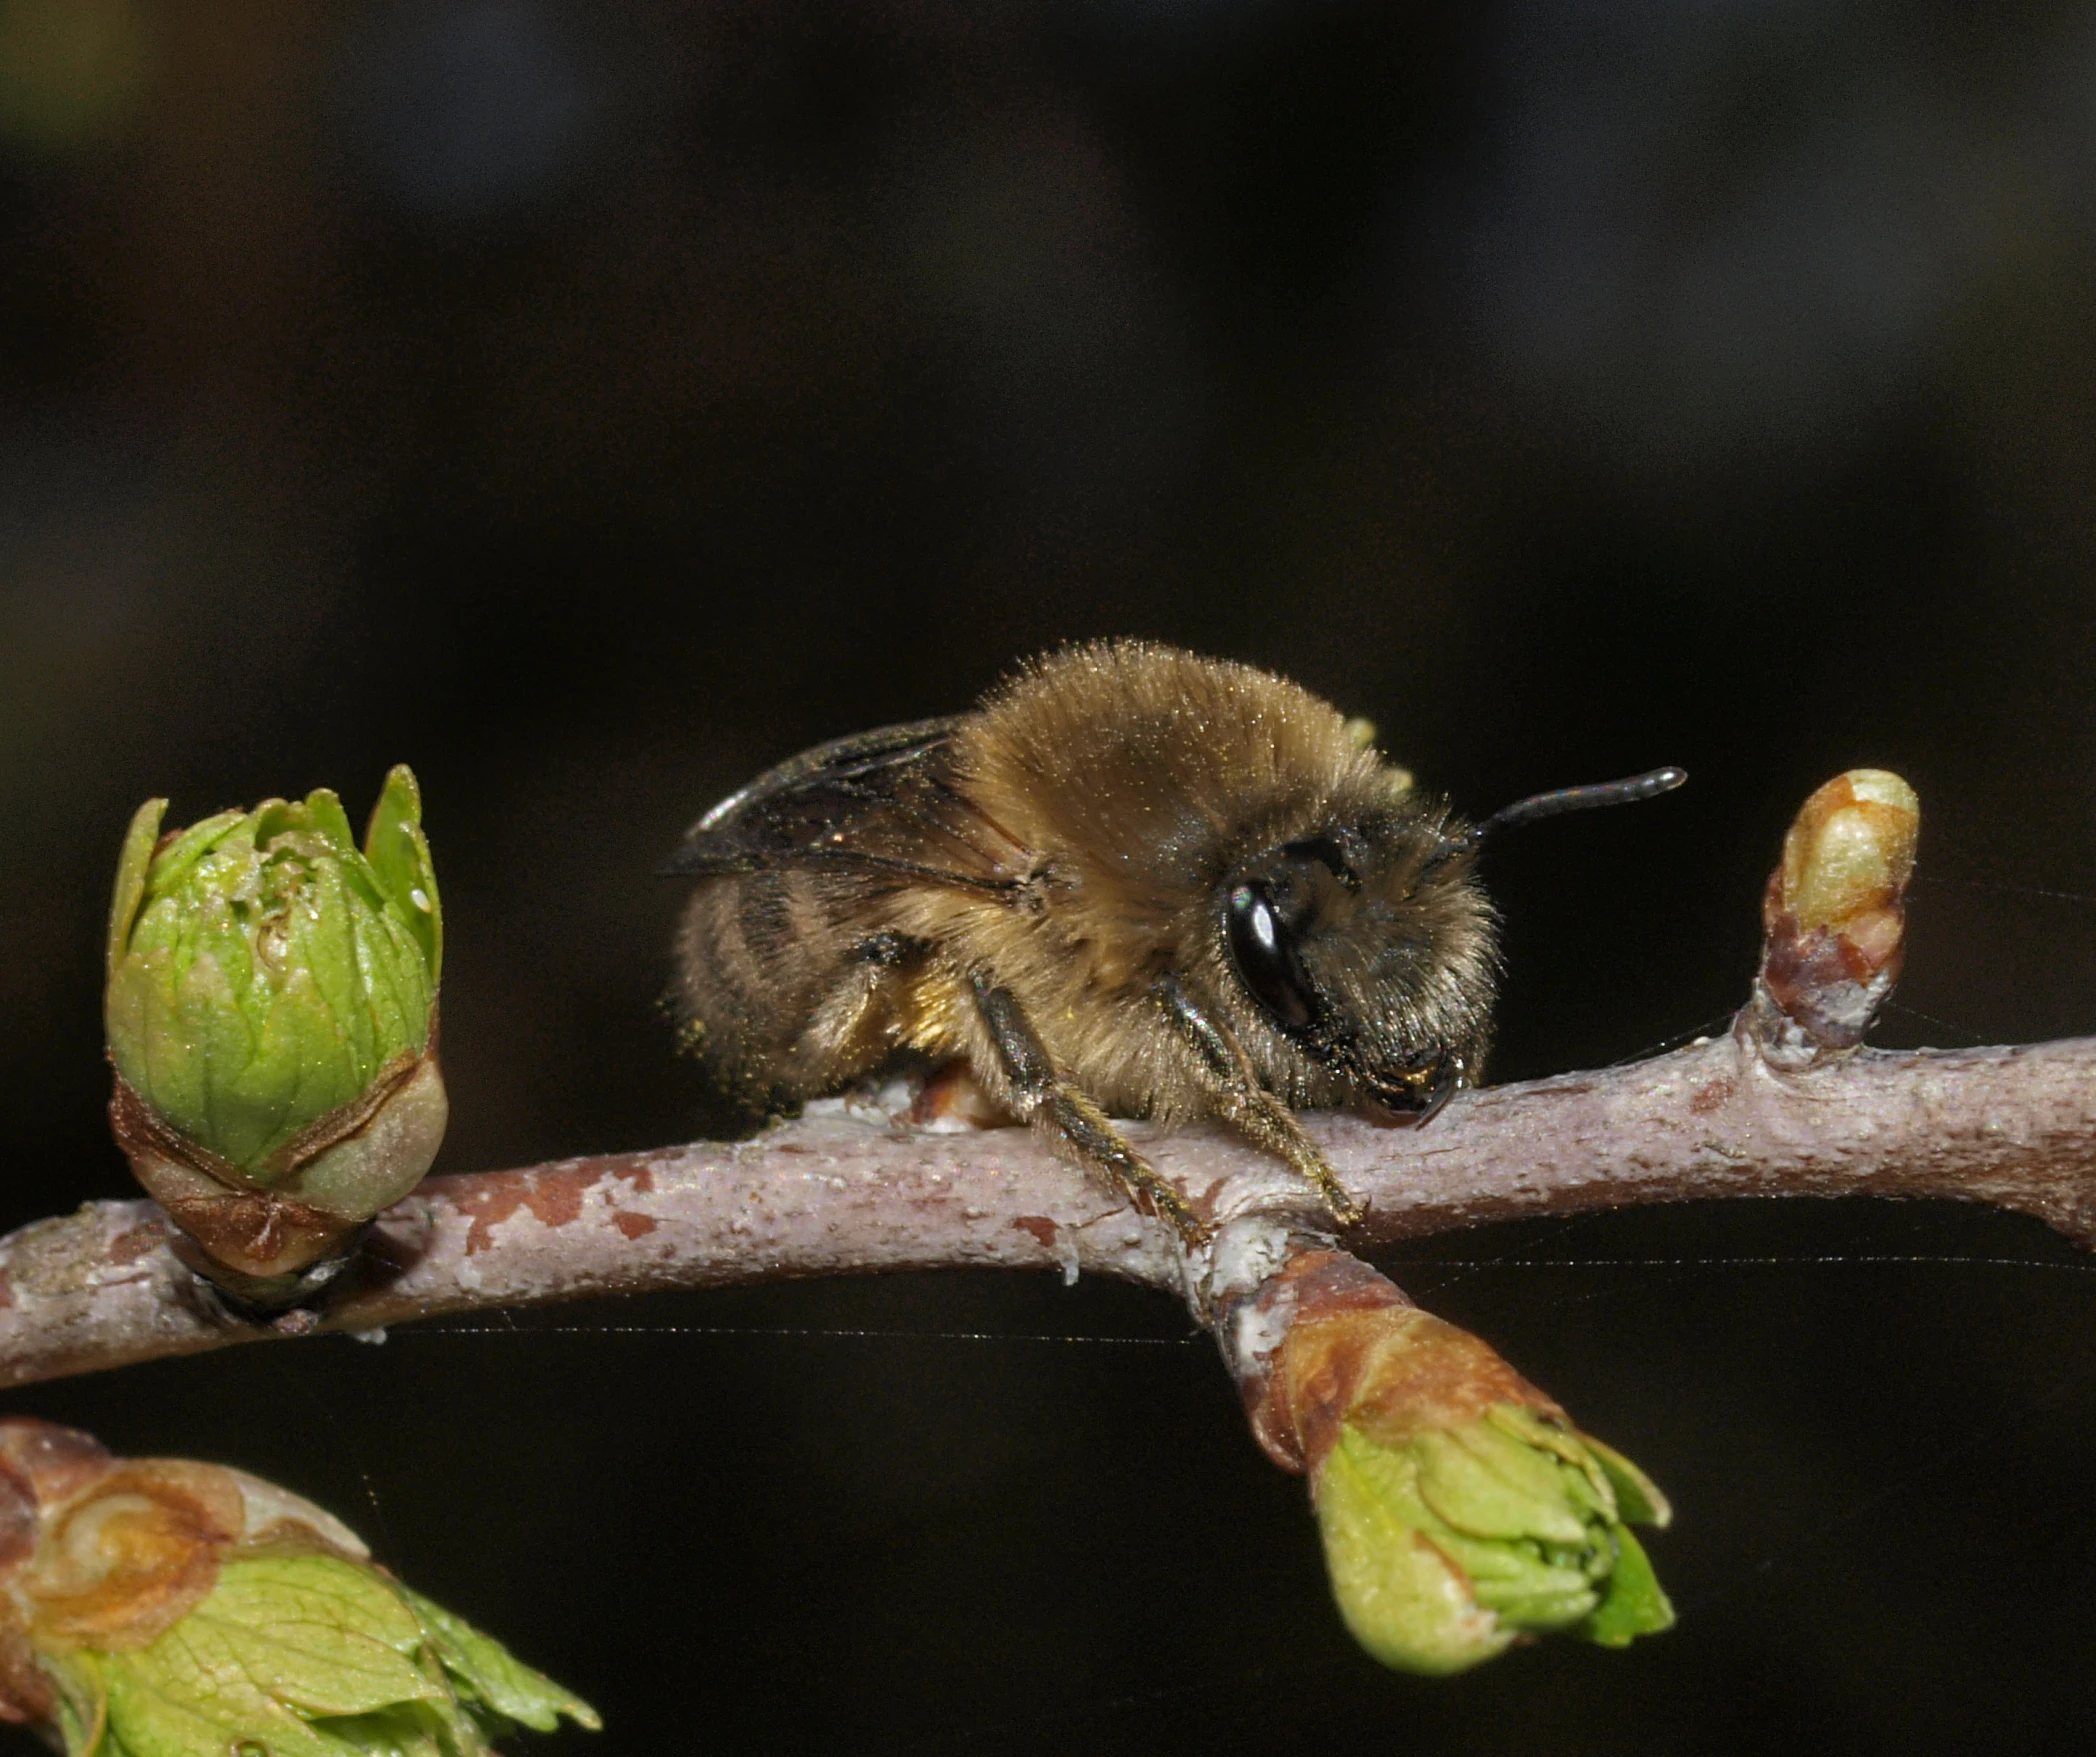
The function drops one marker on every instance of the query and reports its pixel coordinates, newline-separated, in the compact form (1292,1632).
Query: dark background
(593,404)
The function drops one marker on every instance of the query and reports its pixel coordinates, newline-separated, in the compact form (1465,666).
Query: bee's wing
(876,801)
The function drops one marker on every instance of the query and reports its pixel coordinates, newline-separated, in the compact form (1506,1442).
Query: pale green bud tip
(263,971)
(399,854)
(1448,1547)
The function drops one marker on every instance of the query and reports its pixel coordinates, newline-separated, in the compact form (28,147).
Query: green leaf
(1445,1547)
(322,940)
(131,867)
(1634,1603)
(302,1068)
(82,1716)
(281,1644)
(1402,1596)
(1544,1605)
(173,864)
(493,1675)
(186,1698)
(137,1008)
(413,1730)
(324,812)
(207,1045)
(399,854)
(1533,1587)
(1637,1495)
(1487,1483)
(304,1655)
(396,985)
(332,1636)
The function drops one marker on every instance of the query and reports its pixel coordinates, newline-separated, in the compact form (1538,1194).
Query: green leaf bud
(271,1010)
(1451,1543)
(1461,1511)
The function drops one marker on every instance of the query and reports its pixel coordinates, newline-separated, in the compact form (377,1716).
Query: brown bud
(1834,917)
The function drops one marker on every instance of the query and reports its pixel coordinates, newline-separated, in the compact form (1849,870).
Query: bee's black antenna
(1542,805)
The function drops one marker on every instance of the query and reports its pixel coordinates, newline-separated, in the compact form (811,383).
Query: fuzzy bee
(1132,882)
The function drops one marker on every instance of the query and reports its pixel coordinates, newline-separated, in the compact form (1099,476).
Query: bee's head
(1365,950)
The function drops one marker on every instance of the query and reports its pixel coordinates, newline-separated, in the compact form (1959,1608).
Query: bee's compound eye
(1265,956)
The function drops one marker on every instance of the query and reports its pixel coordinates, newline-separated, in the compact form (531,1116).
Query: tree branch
(1782,1105)
(837,1193)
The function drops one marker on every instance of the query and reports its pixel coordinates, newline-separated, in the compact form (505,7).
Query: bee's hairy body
(1134,881)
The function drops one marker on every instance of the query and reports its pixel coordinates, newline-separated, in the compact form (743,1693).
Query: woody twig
(849,1190)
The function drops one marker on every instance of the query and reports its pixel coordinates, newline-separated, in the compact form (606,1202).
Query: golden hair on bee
(1133,881)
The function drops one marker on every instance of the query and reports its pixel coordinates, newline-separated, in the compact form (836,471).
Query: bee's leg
(1041,1095)
(1227,1073)
(848,1032)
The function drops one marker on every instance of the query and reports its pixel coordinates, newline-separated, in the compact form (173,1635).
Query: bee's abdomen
(763,959)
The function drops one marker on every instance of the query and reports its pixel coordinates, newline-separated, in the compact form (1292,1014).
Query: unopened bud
(1449,1546)
(1461,1510)
(1834,916)
(271,1012)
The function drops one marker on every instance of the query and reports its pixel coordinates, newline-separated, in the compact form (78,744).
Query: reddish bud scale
(1356,1352)
(106,1553)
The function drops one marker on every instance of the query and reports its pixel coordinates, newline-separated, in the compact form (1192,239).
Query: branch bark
(1782,1105)
(844,1193)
